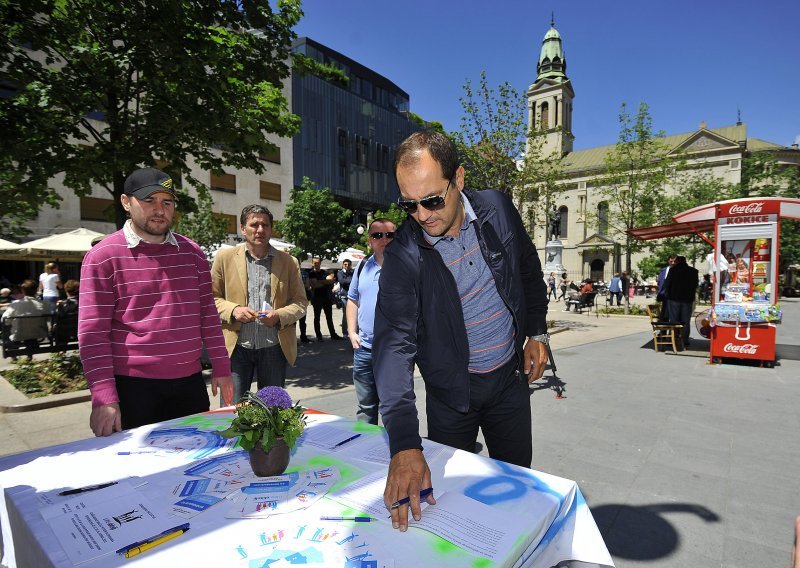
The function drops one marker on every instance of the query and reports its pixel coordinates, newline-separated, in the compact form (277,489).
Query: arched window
(563,211)
(544,121)
(602,218)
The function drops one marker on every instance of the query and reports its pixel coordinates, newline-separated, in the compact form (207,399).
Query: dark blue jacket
(418,317)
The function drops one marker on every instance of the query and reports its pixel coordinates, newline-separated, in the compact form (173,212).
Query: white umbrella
(8,245)
(352,254)
(73,244)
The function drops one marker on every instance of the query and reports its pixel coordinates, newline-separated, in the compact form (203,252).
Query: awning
(62,246)
(8,245)
(672,230)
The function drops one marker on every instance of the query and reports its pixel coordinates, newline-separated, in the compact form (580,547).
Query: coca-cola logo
(747,209)
(744,349)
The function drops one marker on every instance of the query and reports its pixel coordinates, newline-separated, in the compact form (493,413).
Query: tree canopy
(638,170)
(316,223)
(98,88)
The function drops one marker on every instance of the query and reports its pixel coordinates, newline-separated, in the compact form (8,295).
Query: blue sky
(691,61)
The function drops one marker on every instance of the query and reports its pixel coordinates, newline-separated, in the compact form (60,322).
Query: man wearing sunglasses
(462,296)
(361,300)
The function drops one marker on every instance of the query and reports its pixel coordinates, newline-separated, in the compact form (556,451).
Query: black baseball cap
(145,182)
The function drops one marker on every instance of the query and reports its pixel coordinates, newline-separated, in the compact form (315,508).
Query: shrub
(58,374)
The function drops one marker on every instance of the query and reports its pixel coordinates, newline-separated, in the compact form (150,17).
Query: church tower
(550,96)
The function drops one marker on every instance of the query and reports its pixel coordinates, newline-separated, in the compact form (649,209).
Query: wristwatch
(542,338)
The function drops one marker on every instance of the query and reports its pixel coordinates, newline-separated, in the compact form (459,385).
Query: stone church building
(590,248)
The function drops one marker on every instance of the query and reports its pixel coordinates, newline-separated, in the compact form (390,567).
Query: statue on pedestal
(555,224)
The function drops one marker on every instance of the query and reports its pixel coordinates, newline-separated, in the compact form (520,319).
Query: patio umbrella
(7,245)
(63,246)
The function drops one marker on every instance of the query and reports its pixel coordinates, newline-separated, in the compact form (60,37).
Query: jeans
(500,406)
(269,364)
(618,296)
(321,306)
(364,381)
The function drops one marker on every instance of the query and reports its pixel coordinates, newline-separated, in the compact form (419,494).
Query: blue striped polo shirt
(489,323)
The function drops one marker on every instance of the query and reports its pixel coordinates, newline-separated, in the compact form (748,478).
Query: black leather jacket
(418,317)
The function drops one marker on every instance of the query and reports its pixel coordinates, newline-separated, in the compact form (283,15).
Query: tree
(764,176)
(103,87)
(690,188)
(204,227)
(499,152)
(315,222)
(637,172)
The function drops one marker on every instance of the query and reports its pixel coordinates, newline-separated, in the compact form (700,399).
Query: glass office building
(349,132)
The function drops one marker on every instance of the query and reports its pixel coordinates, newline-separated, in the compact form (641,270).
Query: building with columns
(590,248)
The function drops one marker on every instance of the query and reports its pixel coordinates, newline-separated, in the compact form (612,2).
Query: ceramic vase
(273,462)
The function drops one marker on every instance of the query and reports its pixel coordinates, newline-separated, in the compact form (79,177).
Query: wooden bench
(39,334)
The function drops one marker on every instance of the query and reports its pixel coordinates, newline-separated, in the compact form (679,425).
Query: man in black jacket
(680,287)
(462,295)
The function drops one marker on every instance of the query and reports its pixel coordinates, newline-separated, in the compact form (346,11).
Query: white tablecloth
(548,513)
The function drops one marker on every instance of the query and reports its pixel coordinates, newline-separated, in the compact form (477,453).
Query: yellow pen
(148,545)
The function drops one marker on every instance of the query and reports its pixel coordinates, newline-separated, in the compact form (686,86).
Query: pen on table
(423,493)
(147,544)
(355,519)
(347,440)
(87,488)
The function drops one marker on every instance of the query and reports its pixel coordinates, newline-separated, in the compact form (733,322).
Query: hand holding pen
(407,483)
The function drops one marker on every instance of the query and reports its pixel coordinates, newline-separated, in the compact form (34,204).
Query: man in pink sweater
(146,312)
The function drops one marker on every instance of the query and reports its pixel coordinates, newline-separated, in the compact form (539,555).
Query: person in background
(462,296)
(65,328)
(28,318)
(145,314)
(625,283)
(259,296)
(563,284)
(343,278)
(661,294)
(551,286)
(681,289)
(322,287)
(309,295)
(361,302)
(49,286)
(5,296)
(615,289)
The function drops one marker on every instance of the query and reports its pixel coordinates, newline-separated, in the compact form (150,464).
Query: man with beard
(146,313)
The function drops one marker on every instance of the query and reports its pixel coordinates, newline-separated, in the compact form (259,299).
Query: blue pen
(184,527)
(422,494)
(356,519)
(347,440)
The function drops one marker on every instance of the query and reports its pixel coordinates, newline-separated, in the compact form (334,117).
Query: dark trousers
(499,405)
(146,401)
(268,363)
(302,324)
(319,307)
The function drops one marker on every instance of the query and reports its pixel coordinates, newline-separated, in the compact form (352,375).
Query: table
(547,515)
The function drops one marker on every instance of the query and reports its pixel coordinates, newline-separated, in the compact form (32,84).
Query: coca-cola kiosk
(744,268)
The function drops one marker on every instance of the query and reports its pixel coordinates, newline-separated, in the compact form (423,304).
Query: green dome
(552,63)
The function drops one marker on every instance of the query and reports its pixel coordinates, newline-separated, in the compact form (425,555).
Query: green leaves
(200,76)
(316,223)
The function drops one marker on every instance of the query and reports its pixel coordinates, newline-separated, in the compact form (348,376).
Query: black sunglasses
(429,203)
(379,235)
